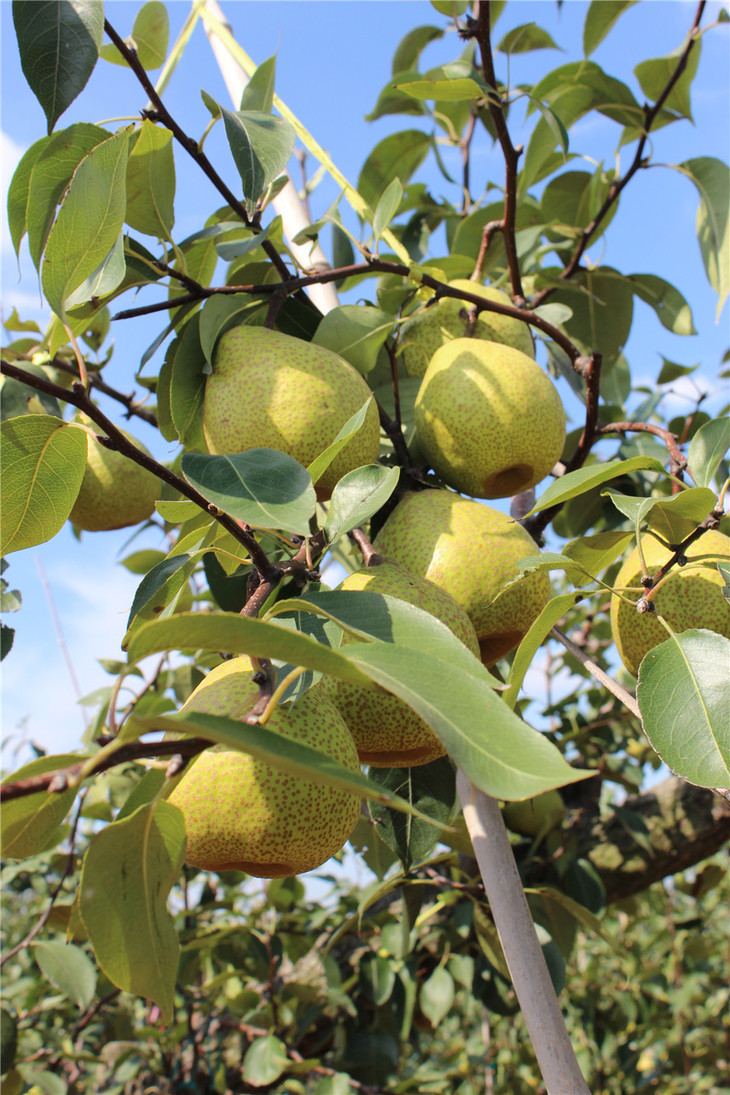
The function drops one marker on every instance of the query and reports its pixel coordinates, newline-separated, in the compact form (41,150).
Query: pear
(268,390)
(432,328)
(115,492)
(387,732)
(243,814)
(471,551)
(488,418)
(535,817)
(689,597)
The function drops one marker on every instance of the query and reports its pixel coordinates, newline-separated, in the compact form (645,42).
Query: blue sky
(334,57)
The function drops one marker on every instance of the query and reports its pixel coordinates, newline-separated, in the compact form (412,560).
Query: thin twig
(600,675)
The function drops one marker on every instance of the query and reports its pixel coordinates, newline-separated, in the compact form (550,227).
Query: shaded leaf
(258,93)
(265,1061)
(584,479)
(43,464)
(59,46)
(708,448)
(553,611)
(356,333)
(396,156)
(158,588)
(151,182)
(437,995)
(429,787)
(262,487)
(19,190)
(261,145)
(595,553)
(672,309)
(358,495)
(683,698)
(31,824)
(675,518)
(387,207)
(127,873)
(69,969)
(712,179)
(89,220)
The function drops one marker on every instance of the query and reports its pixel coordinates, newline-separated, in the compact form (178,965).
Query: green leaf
(672,309)
(459,90)
(261,145)
(59,46)
(377,978)
(600,18)
(50,177)
(431,788)
(218,315)
(358,495)
(19,190)
(151,182)
(553,611)
(187,386)
(437,995)
(265,1061)
(320,463)
(155,595)
(89,220)
(69,969)
(149,37)
(107,276)
(387,207)
(671,371)
(42,467)
(127,873)
(653,76)
(602,302)
(396,156)
(262,487)
(258,93)
(31,824)
(574,89)
(675,518)
(410,48)
(707,450)
(682,695)
(526,37)
(356,333)
(7,638)
(712,179)
(585,479)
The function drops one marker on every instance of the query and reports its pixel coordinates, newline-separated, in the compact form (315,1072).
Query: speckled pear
(432,328)
(387,732)
(535,817)
(115,492)
(691,596)
(488,418)
(471,551)
(243,814)
(271,391)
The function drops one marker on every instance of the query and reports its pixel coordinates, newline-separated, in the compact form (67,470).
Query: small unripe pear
(488,418)
(243,814)
(271,391)
(426,332)
(387,732)
(689,597)
(536,816)
(115,492)
(471,551)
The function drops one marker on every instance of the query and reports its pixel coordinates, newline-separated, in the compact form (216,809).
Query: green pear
(471,551)
(243,814)
(690,596)
(488,418)
(423,334)
(115,492)
(535,817)
(387,732)
(268,390)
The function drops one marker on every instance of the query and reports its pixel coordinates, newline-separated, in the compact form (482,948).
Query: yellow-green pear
(426,332)
(271,391)
(387,732)
(243,814)
(536,816)
(488,418)
(690,596)
(115,492)
(471,551)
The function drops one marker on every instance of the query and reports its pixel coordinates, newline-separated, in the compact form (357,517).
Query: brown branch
(59,781)
(117,441)
(677,461)
(617,186)
(134,409)
(510,153)
(160,113)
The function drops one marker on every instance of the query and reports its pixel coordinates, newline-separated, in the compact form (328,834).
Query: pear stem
(521,946)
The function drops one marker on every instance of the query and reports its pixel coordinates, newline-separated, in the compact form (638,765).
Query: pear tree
(498,734)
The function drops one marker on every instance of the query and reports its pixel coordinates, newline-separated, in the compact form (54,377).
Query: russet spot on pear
(423,334)
(689,597)
(471,551)
(243,814)
(387,732)
(271,391)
